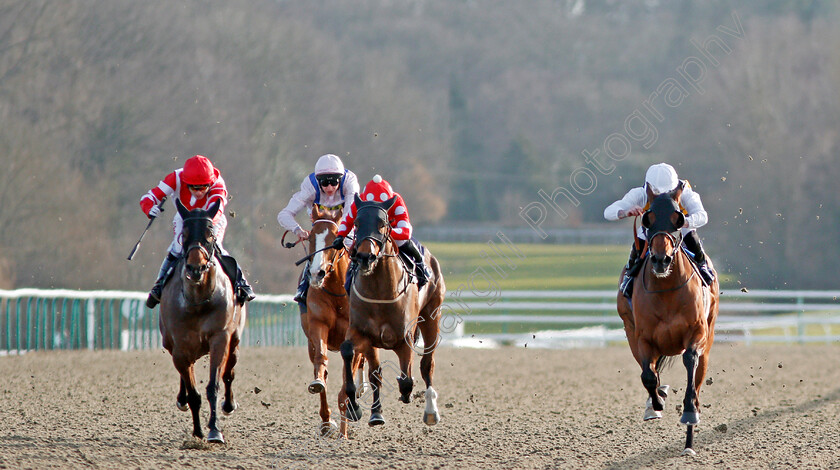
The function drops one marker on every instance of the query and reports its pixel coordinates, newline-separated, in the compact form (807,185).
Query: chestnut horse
(386,311)
(672,312)
(327,311)
(199,315)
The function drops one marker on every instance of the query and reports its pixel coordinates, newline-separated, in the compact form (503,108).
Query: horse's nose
(321,274)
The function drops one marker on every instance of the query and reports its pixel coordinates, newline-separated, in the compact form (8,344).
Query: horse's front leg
(351,408)
(691,412)
(650,380)
(357,362)
(318,334)
(218,358)
(375,380)
(185,367)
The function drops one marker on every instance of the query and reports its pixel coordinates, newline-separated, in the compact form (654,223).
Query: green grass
(542,267)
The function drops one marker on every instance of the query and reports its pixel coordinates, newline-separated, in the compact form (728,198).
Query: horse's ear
(356,199)
(214,208)
(181,209)
(315,213)
(648,218)
(676,194)
(387,205)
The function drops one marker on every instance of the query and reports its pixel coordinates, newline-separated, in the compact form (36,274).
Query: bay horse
(327,310)
(386,312)
(199,315)
(672,312)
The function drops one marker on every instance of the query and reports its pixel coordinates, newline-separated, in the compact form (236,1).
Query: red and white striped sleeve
(400,223)
(165,188)
(218,191)
(347,222)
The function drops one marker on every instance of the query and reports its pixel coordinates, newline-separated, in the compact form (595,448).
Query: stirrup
(706,273)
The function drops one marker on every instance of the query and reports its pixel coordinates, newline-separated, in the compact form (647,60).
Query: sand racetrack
(767,407)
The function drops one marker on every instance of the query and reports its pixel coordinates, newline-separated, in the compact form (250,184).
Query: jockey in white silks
(332,187)
(662,178)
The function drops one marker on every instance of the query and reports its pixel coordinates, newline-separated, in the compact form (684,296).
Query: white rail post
(800,317)
(91,327)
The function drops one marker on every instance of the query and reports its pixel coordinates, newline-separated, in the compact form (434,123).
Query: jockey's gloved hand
(155,211)
(338,243)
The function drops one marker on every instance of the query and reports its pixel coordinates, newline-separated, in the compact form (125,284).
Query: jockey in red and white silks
(380,190)
(197,172)
(197,185)
(662,178)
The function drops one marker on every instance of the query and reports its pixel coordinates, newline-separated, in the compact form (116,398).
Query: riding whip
(137,245)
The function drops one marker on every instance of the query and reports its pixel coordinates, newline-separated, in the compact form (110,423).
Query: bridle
(677,251)
(377,238)
(209,254)
(337,255)
(380,240)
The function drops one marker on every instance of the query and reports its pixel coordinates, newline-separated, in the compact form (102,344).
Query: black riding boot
(692,242)
(244,291)
(165,270)
(241,289)
(630,271)
(421,270)
(303,288)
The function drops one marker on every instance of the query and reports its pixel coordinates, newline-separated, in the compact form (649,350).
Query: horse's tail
(664,362)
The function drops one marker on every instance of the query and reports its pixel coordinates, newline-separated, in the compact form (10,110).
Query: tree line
(469,108)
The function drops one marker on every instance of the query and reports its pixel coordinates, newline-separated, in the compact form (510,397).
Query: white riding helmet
(661,178)
(329,164)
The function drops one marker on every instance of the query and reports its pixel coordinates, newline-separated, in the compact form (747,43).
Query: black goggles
(328,180)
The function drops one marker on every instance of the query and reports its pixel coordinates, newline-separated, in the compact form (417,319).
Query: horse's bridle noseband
(377,238)
(210,253)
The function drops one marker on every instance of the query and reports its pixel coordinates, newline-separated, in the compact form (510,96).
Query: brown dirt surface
(765,407)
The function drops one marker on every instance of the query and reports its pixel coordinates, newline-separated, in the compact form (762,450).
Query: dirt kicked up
(762,407)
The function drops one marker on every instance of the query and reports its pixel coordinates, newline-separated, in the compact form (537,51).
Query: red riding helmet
(198,171)
(377,190)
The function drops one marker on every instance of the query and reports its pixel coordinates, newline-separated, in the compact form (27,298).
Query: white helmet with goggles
(329,165)
(661,178)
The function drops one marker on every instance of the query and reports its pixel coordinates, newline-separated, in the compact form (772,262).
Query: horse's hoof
(317,386)
(663,390)
(431,418)
(329,429)
(689,451)
(650,414)
(405,398)
(690,418)
(376,419)
(215,437)
(182,406)
(354,413)
(227,409)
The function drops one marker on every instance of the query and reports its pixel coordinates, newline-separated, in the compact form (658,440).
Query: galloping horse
(386,311)
(672,312)
(199,315)
(327,311)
